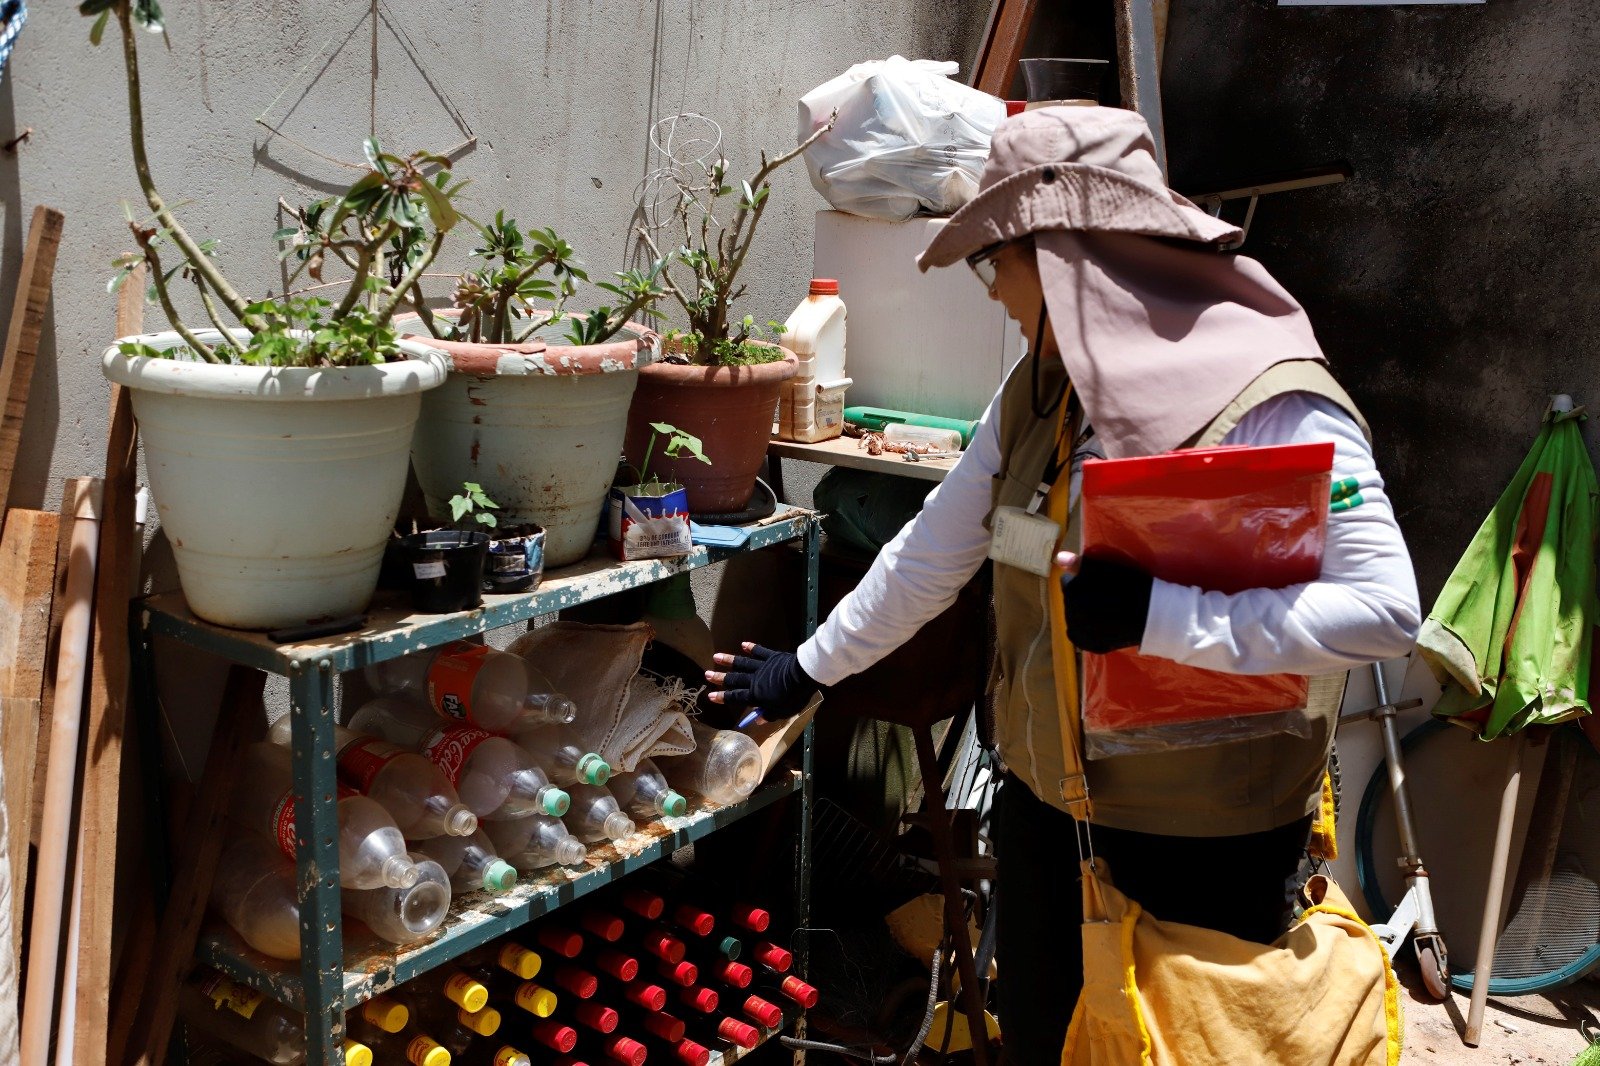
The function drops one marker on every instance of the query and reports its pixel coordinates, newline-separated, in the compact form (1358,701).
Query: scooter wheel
(1435,968)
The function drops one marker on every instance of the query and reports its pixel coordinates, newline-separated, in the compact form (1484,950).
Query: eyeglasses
(982,264)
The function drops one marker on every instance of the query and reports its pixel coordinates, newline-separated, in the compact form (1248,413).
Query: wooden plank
(996,65)
(67,519)
(106,715)
(22,338)
(153,1006)
(27,586)
(1138,58)
(847,452)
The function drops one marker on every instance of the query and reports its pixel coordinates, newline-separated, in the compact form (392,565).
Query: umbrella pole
(1490,931)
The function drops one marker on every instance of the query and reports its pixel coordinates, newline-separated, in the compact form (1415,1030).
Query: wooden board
(27,585)
(998,56)
(22,338)
(847,452)
(106,714)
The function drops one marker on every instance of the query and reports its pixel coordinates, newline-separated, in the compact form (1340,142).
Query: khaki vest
(1245,787)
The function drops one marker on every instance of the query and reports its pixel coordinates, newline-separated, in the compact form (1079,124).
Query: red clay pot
(730,408)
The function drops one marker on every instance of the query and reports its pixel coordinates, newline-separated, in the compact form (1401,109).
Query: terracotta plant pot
(730,408)
(539,425)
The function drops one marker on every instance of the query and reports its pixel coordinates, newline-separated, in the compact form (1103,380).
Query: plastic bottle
(404,915)
(564,756)
(645,792)
(595,815)
(247,1020)
(494,776)
(476,685)
(254,892)
(811,405)
(725,766)
(536,842)
(471,863)
(410,1048)
(417,795)
(372,850)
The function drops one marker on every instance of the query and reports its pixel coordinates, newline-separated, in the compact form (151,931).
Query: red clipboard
(1224,520)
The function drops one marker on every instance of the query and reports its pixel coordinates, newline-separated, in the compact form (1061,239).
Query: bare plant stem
(158,279)
(216,317)
(383,309)
(417,301)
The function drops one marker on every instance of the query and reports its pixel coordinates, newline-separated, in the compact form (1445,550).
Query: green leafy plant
(702,274)
(637,291)
(679,443)
(386,229)
(475,505)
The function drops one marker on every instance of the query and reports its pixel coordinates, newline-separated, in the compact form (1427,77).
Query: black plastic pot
(515,563)
(446,569)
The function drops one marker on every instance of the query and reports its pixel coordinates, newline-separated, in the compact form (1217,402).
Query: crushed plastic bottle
(725,766)
(254,892)
(404,915)
(372,850)
(495,777)
(564,756)
(475,685)
(645,792)
(595,815)
(416,793)
(471,863)
(536,842)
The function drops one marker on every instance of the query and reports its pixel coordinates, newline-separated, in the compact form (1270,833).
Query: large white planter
(277,487)
(539,427)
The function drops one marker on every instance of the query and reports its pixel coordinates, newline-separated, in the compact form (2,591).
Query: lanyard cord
(1035,352)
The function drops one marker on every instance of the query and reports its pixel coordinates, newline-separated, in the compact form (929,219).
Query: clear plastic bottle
(645,792)
(372,850)
(417,795)
(474,684)
(725,766)
(595,815)
(564,756)
(254,892)
(536,842)
(404,915)
(247,1020)
(495,777)
(471,863)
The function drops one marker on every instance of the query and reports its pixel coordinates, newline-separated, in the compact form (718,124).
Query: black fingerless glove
(774,682)
(1107,604)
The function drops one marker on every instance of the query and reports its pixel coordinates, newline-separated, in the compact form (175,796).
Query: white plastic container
(811,406)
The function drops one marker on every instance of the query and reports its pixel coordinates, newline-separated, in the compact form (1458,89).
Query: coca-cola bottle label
(362,758)
(450,680)
(282,829)
(448,748)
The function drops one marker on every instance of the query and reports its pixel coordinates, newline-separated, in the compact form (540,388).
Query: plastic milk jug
(811,406)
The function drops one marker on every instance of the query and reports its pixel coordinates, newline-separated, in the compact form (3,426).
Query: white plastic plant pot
(539,425)
(277,487)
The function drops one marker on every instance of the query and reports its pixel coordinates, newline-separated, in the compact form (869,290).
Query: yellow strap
(1074,787)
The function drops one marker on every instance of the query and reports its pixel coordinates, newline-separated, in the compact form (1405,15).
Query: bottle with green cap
(596,816)
(404,915)
(494,776)
(247,1020)
(564,756)
(644,792)
(471,863)
(536,842)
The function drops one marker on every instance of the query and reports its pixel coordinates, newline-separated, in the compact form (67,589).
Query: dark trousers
(1239,885)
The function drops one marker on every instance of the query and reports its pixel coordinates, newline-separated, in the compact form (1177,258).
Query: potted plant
(447,565)
(537,401)
(277,439)
(721,380)
(649,516)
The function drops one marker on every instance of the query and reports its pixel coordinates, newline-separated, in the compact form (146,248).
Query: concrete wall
(560,96)
(1453,281)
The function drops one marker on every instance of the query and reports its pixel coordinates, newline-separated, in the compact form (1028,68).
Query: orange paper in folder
(1222,519)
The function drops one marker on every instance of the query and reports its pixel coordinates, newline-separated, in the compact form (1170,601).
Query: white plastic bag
(907,138)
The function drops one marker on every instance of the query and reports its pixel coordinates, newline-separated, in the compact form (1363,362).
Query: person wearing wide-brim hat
(1128,293)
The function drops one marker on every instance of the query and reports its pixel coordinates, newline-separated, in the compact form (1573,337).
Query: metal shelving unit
(329,978)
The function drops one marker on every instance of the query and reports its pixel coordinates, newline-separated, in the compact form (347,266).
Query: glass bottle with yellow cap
(246,1019)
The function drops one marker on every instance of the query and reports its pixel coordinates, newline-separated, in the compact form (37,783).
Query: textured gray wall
(559,94)
(1453,281)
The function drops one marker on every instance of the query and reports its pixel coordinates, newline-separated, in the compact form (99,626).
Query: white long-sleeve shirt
(1362,609)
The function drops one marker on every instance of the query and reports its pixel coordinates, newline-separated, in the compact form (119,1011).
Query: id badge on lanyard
(1025,537)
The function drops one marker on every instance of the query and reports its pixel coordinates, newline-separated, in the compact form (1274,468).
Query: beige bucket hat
(1090,169)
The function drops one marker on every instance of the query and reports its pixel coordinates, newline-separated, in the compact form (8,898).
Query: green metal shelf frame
(323,987)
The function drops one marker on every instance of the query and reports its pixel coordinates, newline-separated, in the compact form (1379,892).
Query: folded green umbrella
(1512,633)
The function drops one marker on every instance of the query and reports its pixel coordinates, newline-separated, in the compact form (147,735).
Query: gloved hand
(772,681)
(1107,603)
